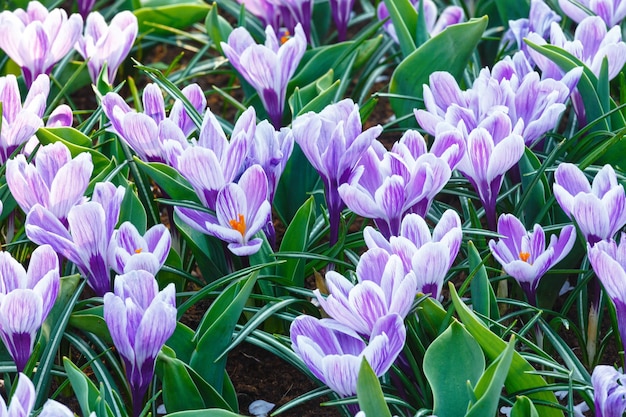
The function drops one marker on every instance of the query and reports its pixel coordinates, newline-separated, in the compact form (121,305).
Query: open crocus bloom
(609,396)
(130,251)
(23,402)
(612,12)
(524,255)
(333,352)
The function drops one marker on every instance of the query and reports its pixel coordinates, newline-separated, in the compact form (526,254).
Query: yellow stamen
(138,250)
(285,37)
(239,225)
(524,256)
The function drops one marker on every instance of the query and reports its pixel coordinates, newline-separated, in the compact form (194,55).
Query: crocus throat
(138,250)
(239,225)
(286,36)
(524,256)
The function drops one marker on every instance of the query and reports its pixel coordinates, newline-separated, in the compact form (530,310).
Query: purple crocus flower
(430,257)
(524,255)
(407,179)
(341,10)
(450,15)
(215,161)
(383,287)
(20,121)
(268,68)
(55,180)
(609,391)
(130,251)
(26,298)
(86,242)
(23,402)
(110,44)
(268,12)
(140,319)
(241,211)
(539,20)
(37,39)
(334,352)
(149,132)
(293,12)
(599,209)
(608,260)
(85,6)
(612,12)
(592,43)
(333,141)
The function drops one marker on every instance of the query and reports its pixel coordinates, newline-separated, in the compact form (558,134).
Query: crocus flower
(267,11)
(23,402)
(269,67)
(524,255)
(26,298)
(130,251)
(341,10)
(293,12)
(599,209)
(147,133)
(609,391)
(612,12)
(592,43)
(539,20)
(20,121)
(110,44)
(383,287)
(450,15)
(404,180)
(334,352)
(55,180)
(86,242)
(430,257)
(215,161)
(241,211)
(85,6)
(608,260)
(140,319)
(333,141)
(37,39)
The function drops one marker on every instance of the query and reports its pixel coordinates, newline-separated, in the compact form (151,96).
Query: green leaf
(489,386)
(512,10)
(91,320)
(216,329)
(132,210)
(534,188)
(217,27)
(483,297)
(178,15)
(205,413)
(169,180)
(450,362)
(75,141)
(85,390)
(449,51)
(370,394)
(523,407)
(296,239)
(404,18)
(315,96)
(522,376)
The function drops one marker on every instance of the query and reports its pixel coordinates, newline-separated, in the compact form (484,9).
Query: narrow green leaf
(217,27)
(205,413)
(523,407)
(296,239)
(482,292)
(87,394)
(169,180)
(404,19)
(179,15)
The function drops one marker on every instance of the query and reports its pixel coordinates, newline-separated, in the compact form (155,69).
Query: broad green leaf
(483,297)
(177,15)
(86,392)
(315,96)
(296,239)
(522,376)
(370,394)
(75,141)
(512,10)
(534,187)
(489,386)
(205,413)
(452,361)
(449,51)
(133,211)
(217,27)
(216,329)
(181,342)
(432,317)
(91,320)
(523,407)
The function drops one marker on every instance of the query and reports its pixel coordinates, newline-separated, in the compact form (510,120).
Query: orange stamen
(285,37)
(239,225)
(524,256)
(138,250)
